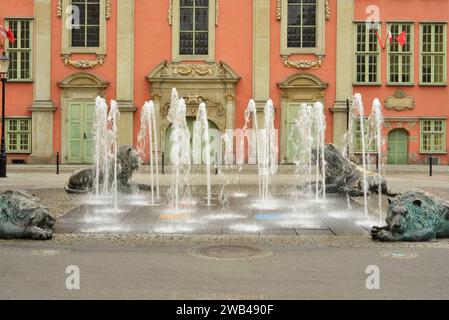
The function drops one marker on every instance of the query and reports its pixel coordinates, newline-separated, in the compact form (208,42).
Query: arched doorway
(296,89)
(78,93)
(398,147)
(214,141)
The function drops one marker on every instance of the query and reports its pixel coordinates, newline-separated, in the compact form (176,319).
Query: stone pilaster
(345,66)
(261,54)
(42,108)
(125,69)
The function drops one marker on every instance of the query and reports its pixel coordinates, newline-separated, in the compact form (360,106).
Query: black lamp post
(4,67)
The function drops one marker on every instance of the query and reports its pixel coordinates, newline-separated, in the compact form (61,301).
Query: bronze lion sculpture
(414,216)
(128,161)
(23,217)
(344,176)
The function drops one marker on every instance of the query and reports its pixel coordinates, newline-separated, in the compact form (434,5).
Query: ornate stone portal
(212,83)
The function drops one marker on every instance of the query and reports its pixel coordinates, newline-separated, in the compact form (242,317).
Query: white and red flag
(7,34)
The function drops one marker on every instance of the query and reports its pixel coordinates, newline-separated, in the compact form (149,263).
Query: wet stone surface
(242,215)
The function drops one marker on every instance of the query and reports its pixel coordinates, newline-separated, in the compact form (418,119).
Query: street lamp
(4,67)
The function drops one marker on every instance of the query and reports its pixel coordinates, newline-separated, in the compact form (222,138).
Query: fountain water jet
(180,150)
(101,143)
(148,132)
(113,118)
(359,108)
(375,121)
(201,134)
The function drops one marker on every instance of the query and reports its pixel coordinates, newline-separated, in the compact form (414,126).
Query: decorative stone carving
(59,9)
(84,64)
(328,10)
(400,101)
(412,124)
(303,64)
(217,13)
(278,9)
(196,70)
(170,13)
(108,9)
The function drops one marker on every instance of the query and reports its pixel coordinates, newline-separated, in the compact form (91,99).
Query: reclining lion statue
(128,161)
(344,176)
(414,216)
(23,217)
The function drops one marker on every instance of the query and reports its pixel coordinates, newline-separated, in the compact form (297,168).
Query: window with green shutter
(18,135)
(433,54)
(400,58)
(433,136)
(20,52)
(367,55)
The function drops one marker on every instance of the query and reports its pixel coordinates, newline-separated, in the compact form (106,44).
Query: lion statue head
(23,217)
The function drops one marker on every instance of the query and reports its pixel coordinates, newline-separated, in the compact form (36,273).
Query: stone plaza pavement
(148,266)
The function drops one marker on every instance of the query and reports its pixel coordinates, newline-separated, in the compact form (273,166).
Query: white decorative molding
(328,10)
(303,64)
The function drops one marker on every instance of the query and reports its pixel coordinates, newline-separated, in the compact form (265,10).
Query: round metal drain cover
(230,252)
(399,254)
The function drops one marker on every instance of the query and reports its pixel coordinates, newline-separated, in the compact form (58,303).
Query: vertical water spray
(180,139)
(113,118)
(100,140)
(148,132)
(376,120)
(251,114)
(359,107)
(201,130)
(269,150)
(320,125)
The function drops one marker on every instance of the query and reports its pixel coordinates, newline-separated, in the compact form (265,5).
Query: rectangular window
(302,24)
(86,34)
(194,27)
(18,135)
(433,54)
(20,51)
(433,136)
(367,55)
(370,146)
(400,58)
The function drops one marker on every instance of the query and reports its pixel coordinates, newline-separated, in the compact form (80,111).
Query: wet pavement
(241,214)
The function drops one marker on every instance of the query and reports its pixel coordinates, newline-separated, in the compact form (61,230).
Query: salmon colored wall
(233,45)
(59,71)
(413,11)
(327,73)
(19,95)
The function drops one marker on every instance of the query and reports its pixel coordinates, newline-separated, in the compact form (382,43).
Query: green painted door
(397,147)
(214,140)
(80,125)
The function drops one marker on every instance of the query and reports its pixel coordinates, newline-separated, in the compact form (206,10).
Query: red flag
(402,38)
(7,34)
